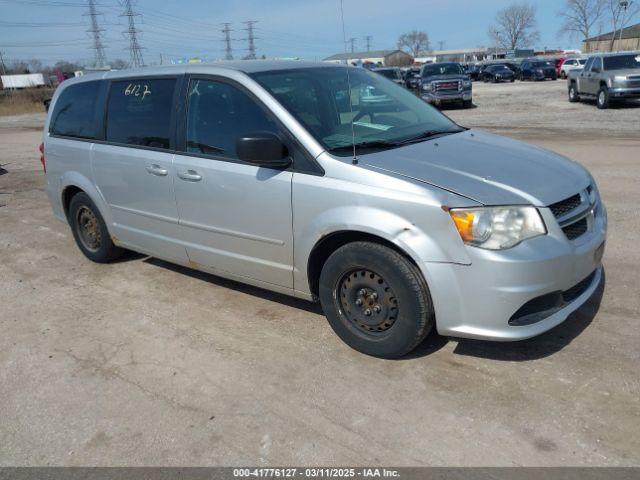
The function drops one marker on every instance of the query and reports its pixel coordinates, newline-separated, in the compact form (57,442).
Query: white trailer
(29,80)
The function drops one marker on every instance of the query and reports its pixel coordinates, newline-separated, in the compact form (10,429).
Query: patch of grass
(17,102)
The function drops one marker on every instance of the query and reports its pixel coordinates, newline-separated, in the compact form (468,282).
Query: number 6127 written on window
(137,90)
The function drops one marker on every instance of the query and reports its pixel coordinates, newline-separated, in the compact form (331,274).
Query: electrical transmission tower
(441,44)
(352,41)
(96,32)
(367,39)
(228,54)
(132,32)
(251,39)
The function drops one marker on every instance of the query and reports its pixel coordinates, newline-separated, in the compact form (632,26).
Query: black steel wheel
(375,299)
(367,301)
(90,231)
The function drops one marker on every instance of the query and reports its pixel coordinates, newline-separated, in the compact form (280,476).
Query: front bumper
(438,98)
(478,300)
(624,92)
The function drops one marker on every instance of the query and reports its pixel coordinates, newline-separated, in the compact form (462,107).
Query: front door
(134,167)
(234,217)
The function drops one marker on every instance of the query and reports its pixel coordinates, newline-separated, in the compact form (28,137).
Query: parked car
(247,170)
(442,83)
(607,78)
(558,62)
(498,73)
(514,67)
(537,70)
(473,71)
(412,78)
(571,64)
(392,73)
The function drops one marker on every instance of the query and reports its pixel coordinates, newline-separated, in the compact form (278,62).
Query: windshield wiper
(427,135)
(371,144)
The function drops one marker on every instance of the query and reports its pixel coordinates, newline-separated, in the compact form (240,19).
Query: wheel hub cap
(89,229)
(367,301)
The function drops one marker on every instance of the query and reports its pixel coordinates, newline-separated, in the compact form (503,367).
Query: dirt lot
(144,363)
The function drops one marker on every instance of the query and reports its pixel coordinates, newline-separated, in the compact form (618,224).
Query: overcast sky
(55,29)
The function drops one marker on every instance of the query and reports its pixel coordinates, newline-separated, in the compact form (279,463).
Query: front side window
(139,112)
(622,62)
(218,115)
(589,64)
(75,111)
(335,108)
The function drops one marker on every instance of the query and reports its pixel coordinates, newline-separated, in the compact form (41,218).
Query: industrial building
(386,58)
(623,40)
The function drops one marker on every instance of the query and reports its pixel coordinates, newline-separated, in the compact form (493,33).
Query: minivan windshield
(442,69)
(384,115)
(622,62)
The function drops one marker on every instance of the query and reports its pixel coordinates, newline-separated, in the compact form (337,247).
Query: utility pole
(367,39)
(352,41)
(135,50)
(228,55)
(96,32)
(4,70)
(251,39)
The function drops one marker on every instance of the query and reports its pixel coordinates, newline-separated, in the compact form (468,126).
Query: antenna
(251,39)
(227,41)
(344,38)
(132,32)
(96,32)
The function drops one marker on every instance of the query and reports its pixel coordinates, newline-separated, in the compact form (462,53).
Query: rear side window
(139,112)
(75,111)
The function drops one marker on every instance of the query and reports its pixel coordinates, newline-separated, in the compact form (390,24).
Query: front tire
(603,98)
(375,300)
(467,103)
(90,231)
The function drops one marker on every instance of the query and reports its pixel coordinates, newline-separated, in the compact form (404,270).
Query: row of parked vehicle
(605,77)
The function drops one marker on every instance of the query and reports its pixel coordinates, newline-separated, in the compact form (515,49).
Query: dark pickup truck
(442,83)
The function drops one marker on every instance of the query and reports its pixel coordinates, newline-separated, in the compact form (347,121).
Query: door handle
(190,176)
(157,170)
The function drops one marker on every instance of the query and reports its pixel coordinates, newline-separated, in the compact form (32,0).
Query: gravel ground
(144,363)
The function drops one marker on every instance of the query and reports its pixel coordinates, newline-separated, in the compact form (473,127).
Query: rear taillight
(42,161)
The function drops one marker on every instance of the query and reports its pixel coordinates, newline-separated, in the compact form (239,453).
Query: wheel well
(329,244)
(603,83)
(67,195)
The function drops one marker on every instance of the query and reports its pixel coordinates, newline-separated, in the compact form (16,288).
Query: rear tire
(89,230)
(563,75)
(603,98)
(375,300)
(573,94)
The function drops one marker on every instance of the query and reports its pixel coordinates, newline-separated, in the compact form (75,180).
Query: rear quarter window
(76,111)
(139,112)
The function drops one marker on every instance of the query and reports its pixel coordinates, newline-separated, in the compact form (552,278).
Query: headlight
(467,83)
(497,228)
(619,79)
(433,86)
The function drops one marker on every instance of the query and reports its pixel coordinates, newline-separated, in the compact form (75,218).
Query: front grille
(565,206)
(576,230)
(447,86)
(544,306)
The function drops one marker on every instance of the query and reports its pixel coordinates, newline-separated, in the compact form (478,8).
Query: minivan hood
(486,168)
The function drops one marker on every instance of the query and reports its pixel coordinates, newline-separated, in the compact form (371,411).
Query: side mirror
(263,149)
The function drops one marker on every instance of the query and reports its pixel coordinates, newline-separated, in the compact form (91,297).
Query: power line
(352,42)
(135,50)
(96,32)
(251,39)
(228,55)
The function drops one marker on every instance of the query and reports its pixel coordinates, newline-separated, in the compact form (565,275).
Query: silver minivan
(328,183)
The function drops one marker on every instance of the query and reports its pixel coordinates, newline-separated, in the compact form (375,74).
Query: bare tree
(580,16)
(515,26)
(414,41)
(620,13)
